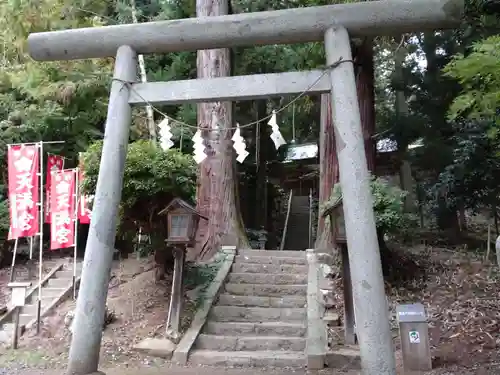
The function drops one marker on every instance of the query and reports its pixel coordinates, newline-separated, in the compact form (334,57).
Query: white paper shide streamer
(276,136)
(198,147)
(165,134)
(239,145)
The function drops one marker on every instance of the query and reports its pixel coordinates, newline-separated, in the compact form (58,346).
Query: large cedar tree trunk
(217,196)
(328,171)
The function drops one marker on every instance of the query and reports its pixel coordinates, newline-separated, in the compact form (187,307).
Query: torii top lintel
(298,25)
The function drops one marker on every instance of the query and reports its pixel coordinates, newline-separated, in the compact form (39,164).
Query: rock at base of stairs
(161,348)
(248,359)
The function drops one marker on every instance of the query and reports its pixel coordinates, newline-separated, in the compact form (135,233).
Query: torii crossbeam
(333,24)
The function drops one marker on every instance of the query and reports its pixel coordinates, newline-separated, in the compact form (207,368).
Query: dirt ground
(140,305)
(460,291)
(461,294)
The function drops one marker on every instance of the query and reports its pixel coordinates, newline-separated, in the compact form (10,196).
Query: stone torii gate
(333,24)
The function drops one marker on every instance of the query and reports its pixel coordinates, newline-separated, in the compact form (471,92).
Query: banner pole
(30,265)
(40,265)
(31,247)
(77,190)
(13,265)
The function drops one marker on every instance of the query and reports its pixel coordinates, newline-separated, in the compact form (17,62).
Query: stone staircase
(260,316)
(56,286)
(297,235)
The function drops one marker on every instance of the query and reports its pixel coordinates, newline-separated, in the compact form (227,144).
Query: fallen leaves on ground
(462,299)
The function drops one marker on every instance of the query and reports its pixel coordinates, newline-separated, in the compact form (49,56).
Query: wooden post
(18,300)
(349,320)
(176,298)
(488,246)
(15,334)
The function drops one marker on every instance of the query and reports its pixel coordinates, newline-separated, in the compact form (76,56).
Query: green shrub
(152,178)
(388,205)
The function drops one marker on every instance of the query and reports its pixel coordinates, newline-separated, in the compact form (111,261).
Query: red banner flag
(23,167)
(63,209)
(54,163)
(84,212)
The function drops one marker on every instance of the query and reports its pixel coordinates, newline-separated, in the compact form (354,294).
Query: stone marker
(414,333)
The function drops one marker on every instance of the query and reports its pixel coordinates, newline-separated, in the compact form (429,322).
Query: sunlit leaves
(152,177)
(479,75)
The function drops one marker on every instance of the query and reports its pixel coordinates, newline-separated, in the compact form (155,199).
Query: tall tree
(329,171)
(217,196)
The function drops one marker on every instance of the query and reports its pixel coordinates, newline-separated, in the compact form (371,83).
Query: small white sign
(18,297)
(414,337)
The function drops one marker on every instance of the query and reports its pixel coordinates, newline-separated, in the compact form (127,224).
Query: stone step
(26,318)
(249,343)
(270,260)
(256,314)
(298,229)
(273,253)
(300,199)
(67,274)
(32,309)
(265,290)
(256,301)
(269,268)
(59,283)
(253,329)
(267,278)
(47,292)
(248,359)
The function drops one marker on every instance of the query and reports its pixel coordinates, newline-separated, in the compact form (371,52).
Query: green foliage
(152,178)
(4,213)
(388,205)
(471,180)
(479,76)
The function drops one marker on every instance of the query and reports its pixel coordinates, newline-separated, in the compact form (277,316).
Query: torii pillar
(331,23)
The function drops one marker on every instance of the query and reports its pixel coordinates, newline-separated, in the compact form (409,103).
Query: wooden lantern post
(336,214)
(182,219)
